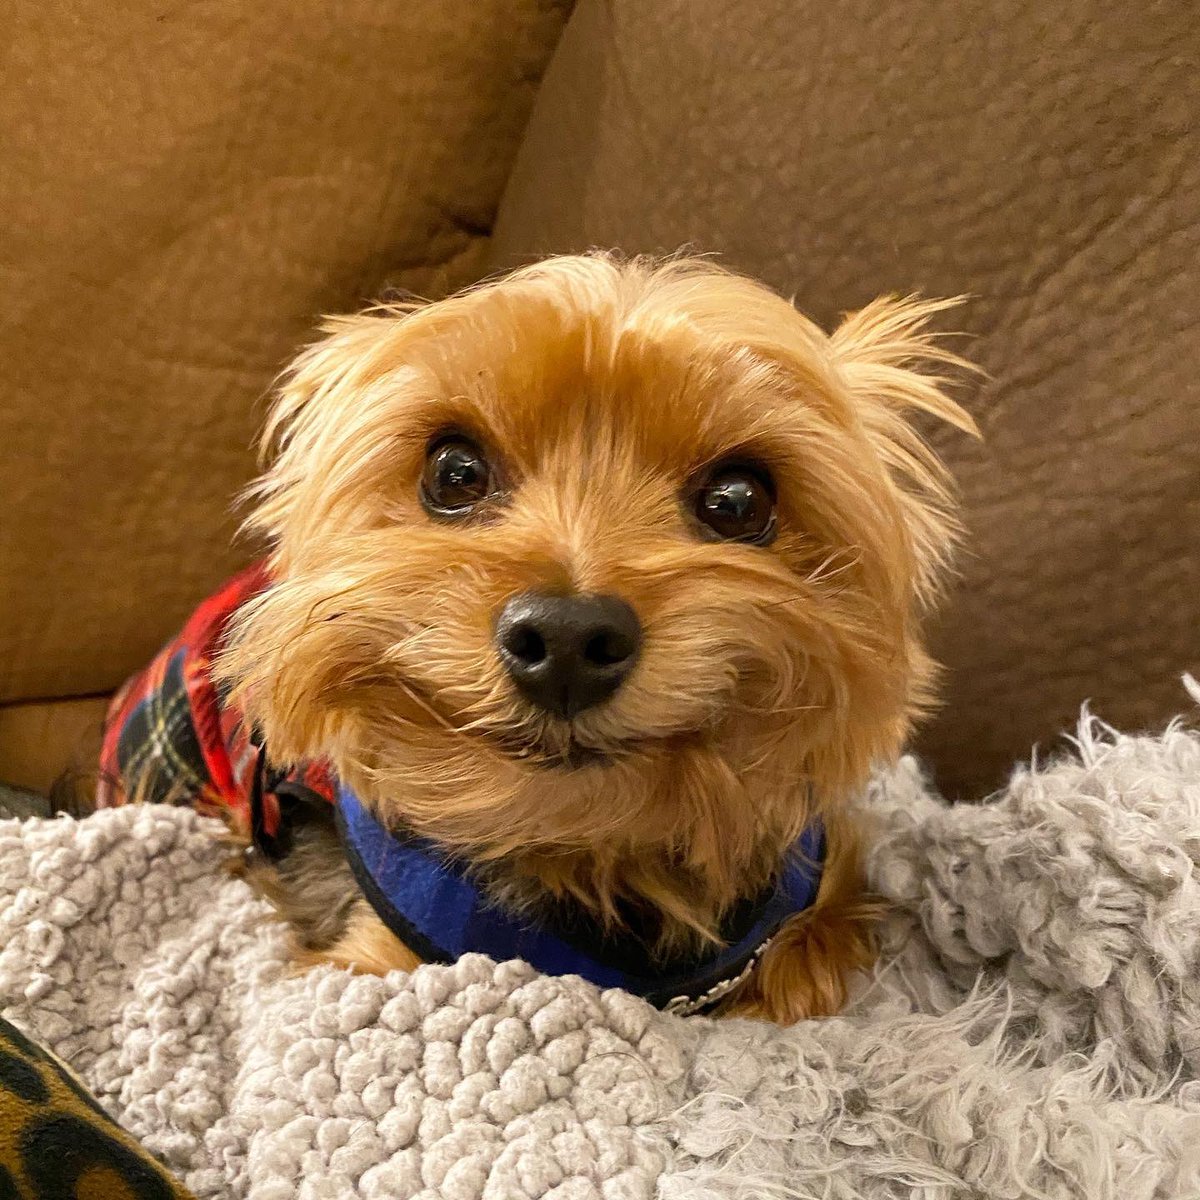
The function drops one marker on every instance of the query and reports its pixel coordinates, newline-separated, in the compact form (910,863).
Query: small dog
(594,593)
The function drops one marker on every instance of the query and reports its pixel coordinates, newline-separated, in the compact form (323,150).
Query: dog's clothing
(429,902)
(173,735)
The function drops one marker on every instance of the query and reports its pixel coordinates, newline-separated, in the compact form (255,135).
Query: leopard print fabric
(57,1143)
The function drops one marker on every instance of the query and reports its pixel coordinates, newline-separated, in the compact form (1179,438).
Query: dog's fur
(771,677)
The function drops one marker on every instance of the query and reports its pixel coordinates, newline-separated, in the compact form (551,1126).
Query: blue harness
(428,901)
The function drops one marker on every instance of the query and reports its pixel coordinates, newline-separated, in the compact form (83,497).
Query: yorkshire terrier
(593,596)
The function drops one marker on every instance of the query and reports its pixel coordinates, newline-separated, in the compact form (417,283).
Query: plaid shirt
(171,734)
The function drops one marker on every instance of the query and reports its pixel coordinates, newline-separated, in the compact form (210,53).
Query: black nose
(566,653)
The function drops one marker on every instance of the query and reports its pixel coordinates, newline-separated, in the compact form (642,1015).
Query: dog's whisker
(820,574)
(766,710)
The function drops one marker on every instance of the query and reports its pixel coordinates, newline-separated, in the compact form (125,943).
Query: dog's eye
(456,477)
(737,503)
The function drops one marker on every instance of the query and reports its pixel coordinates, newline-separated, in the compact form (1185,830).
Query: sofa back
(185,189)
(1044,159)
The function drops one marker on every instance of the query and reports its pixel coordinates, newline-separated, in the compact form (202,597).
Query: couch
(185,189)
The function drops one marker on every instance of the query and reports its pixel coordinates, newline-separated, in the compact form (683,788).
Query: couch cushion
(185,189)
(1045,160)
(47,740)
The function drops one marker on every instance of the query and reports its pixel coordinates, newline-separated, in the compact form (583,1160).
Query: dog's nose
(566,653)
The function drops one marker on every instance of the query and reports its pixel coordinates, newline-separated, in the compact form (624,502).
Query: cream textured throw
(1034,1030)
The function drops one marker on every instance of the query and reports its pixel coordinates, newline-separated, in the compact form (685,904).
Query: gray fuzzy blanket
(1033,1030)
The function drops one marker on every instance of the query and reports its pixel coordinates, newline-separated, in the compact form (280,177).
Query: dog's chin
(565,750)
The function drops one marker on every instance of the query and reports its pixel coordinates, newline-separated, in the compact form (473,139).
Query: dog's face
(604,557)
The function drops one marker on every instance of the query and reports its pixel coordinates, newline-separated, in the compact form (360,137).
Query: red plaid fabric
(171,734)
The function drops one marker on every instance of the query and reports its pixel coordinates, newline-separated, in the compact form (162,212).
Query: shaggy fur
(1030,1031)
(771,678)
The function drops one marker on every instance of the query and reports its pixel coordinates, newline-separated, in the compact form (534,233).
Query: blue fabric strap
(428,901)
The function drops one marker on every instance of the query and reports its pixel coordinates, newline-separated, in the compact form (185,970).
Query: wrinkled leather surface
(184,188)
(42,741)
(1045,159)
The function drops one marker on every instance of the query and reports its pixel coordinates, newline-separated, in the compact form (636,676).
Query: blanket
(1032,1029)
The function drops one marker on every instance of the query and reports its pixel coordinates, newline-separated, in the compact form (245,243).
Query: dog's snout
(567,653)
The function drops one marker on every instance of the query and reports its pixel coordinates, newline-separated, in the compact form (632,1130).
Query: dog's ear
(894,367)
(320,406)
(327,429)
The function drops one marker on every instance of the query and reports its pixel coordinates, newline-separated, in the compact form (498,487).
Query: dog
(593,596)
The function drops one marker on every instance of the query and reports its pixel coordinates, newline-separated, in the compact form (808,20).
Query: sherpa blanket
(1032,1031)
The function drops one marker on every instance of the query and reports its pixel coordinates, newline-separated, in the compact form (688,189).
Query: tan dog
(605,577)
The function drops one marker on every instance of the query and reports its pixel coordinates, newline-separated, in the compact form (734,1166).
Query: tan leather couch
(184,190)
(1044,158)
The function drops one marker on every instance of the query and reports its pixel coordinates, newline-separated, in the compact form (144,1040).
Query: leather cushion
(47,741)
(1044,160)
(185,189)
